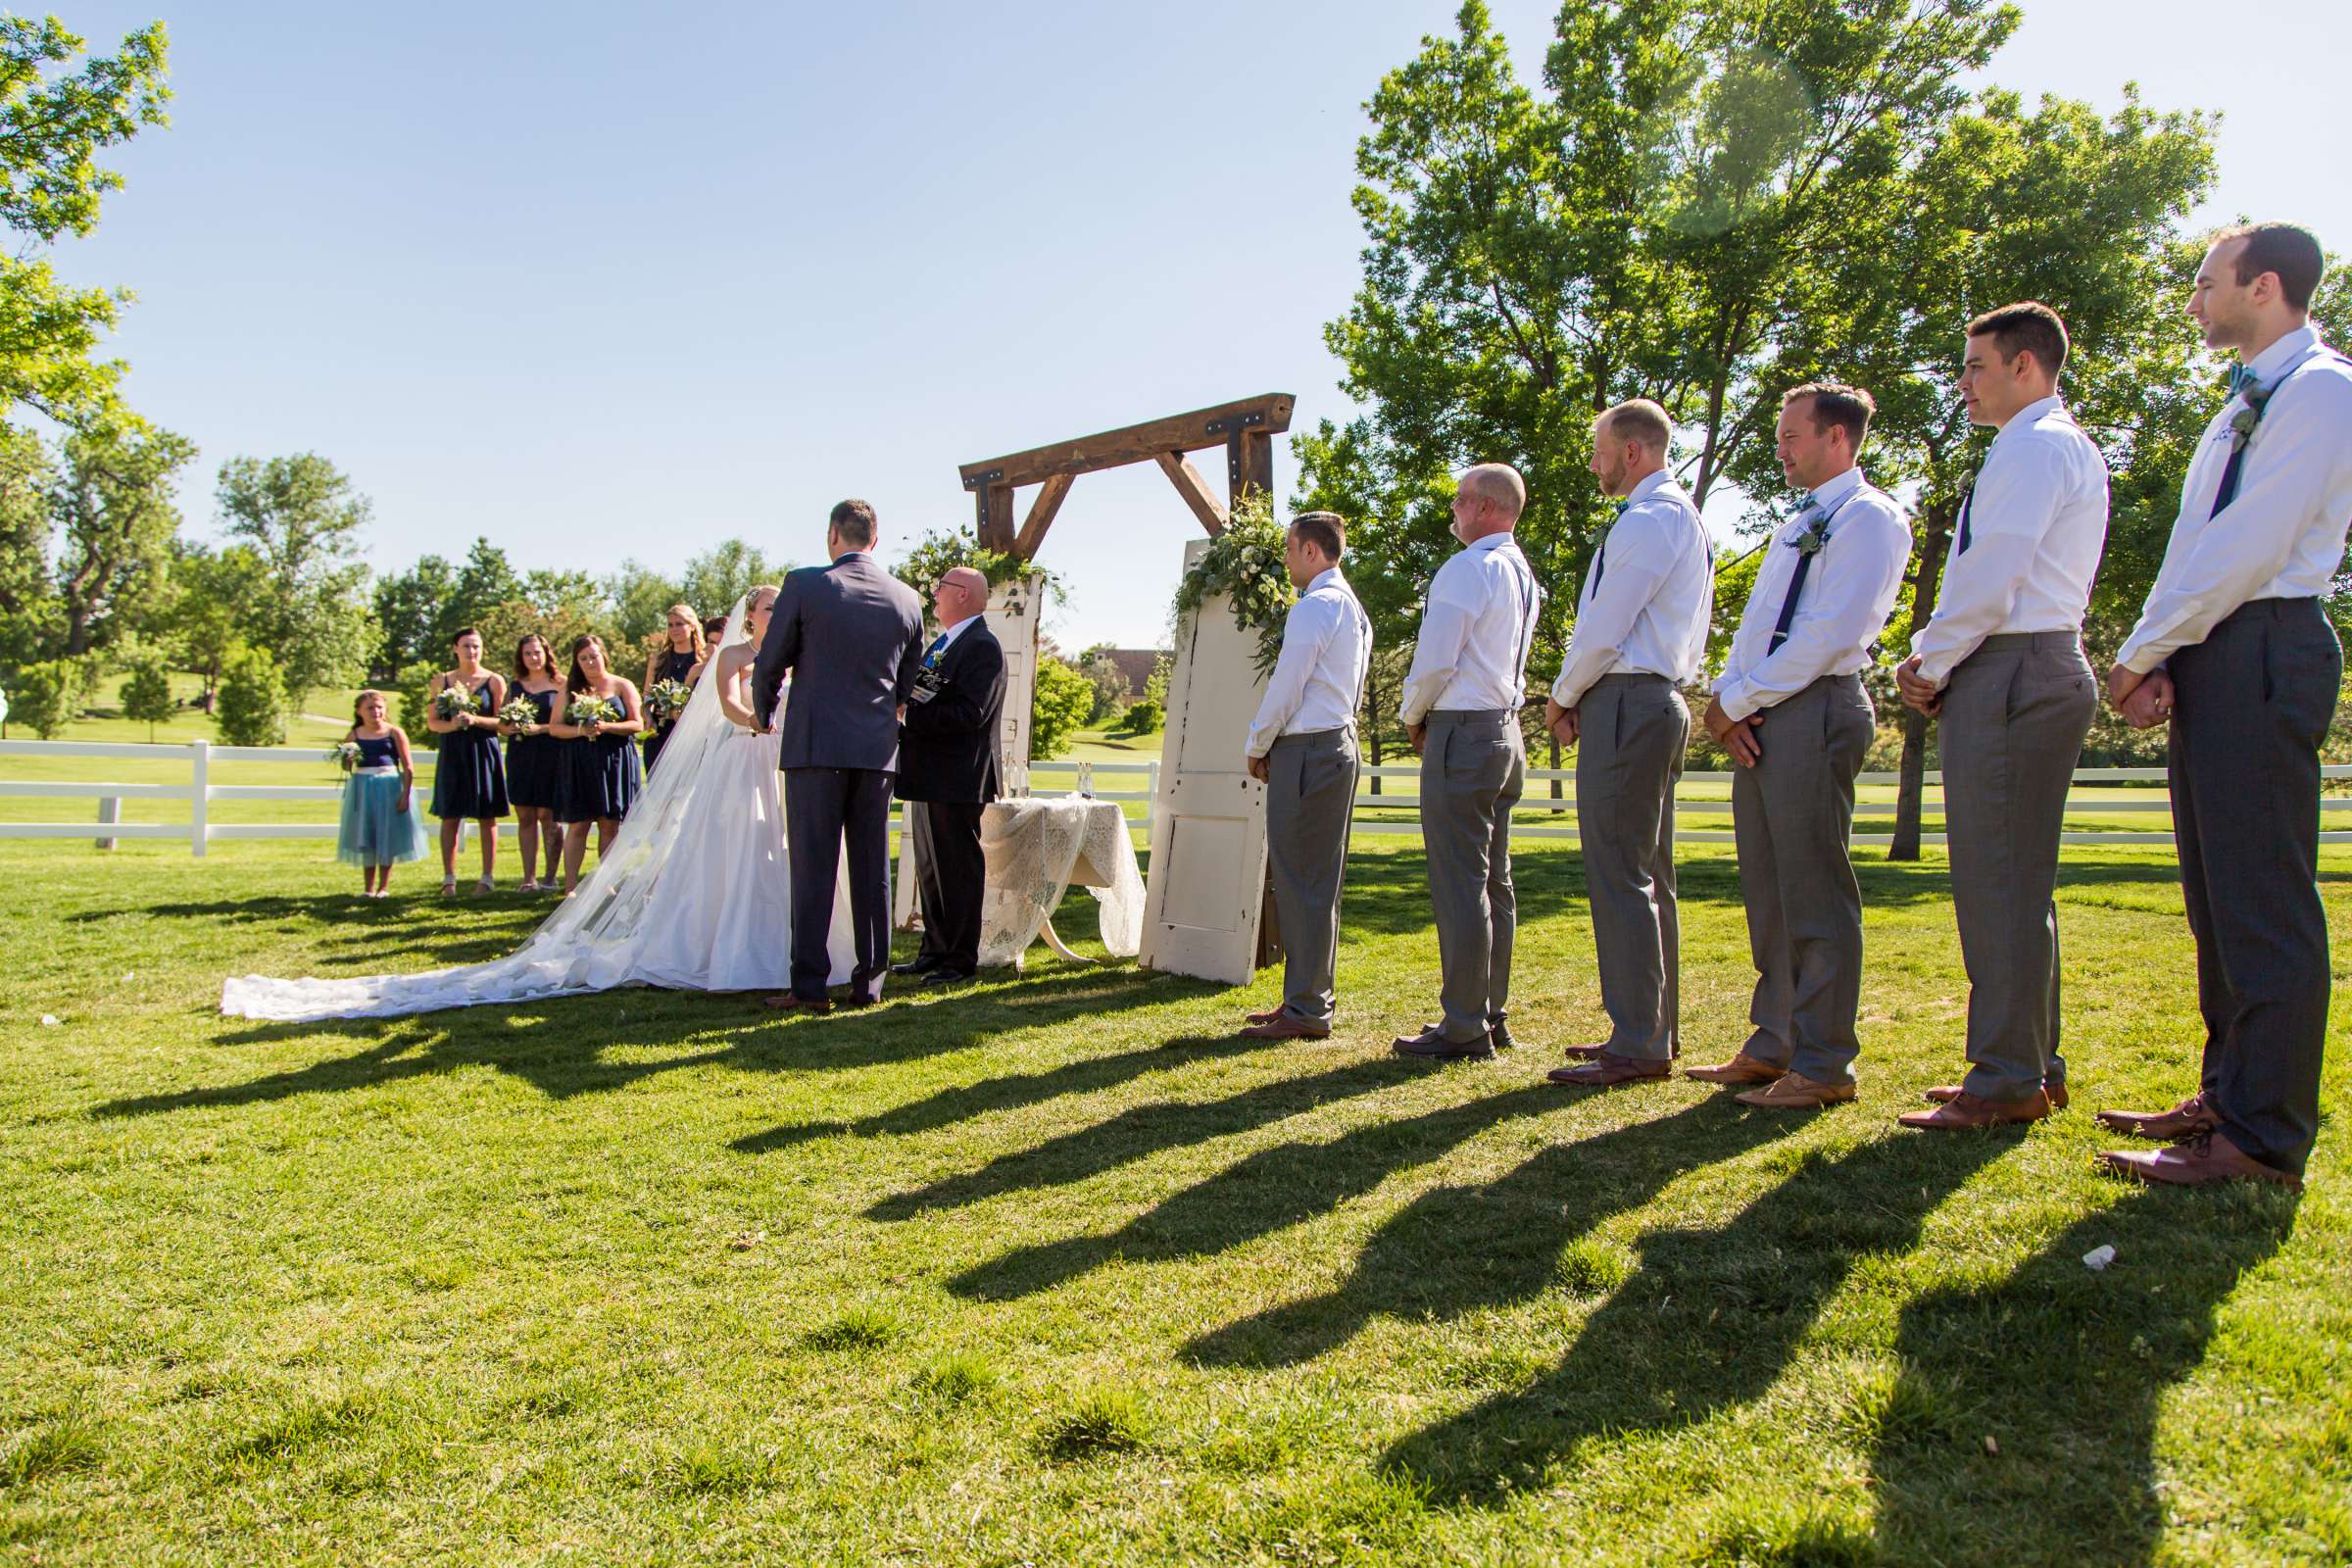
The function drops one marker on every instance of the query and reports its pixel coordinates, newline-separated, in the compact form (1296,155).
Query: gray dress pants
(1792,816)
(1632,731)
(1473,770)
(2014,716)
(2254,701)
(1310,801)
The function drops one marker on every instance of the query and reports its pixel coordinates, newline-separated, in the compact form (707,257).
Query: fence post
(109,811)
(200,793)
(1151,781)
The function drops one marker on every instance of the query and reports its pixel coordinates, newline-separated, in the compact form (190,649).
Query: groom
(853,637)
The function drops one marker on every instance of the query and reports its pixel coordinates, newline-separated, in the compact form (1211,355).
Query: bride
(693,896)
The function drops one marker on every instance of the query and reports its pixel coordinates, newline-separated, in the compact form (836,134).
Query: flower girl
(379,826)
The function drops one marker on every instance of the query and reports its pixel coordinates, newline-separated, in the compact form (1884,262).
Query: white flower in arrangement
(345,754)
(586,711)
(518,712)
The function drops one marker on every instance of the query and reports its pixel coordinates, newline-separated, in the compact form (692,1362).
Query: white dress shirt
(1848,591)
(1475,633)
(1647,595)
(1326,647)
(2037,524)
(2282,537)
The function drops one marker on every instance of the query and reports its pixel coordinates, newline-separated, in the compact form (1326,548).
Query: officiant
(947,773)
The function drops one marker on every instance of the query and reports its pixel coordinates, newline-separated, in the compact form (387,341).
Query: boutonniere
(1811,539)
(2244,421)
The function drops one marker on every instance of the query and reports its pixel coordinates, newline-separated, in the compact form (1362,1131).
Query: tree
(44,696)
(215,601)
(714,579)
(253,700)
(147,694)
(408,615)
(640,598)
(54,124)
(302,518)
(1103,672)
(111,512)
(28,604)
(1059,707)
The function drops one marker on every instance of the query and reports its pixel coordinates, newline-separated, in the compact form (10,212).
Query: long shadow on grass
(2065,1368)
(951,1106)
(1272,1189)
(1456,1249)
(561,1046)
(1708,1320)
(1142,1131)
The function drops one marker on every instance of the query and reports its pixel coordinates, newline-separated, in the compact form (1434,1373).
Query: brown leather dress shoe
(2204,1159)
(1282,1026)
(1267,1017)
(788,1002)
(1945,1094)
(1974,1110)
(1740,1069)
(2188,1119)
(1584,1052)
(1609,1070)
(1794,1091)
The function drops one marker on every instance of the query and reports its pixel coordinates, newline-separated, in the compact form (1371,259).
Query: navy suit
(946,776)
(852,635)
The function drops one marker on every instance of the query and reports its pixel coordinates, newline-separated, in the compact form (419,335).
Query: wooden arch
(1245,430)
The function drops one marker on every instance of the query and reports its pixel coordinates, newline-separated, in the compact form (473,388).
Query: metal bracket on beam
(978,480)
(1235,423)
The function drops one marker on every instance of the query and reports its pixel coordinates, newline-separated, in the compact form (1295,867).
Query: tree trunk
(1909,789)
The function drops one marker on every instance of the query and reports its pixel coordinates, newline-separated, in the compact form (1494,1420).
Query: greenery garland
(1245,564)
(939,552)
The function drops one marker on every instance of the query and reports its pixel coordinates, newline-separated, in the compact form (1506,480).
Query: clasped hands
(2144,700)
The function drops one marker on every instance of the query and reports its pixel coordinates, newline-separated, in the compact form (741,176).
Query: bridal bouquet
(451,700)
(666,699)
(518,712)
(583,711)
(345,754)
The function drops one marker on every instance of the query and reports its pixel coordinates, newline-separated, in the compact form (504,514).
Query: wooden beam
(1267,414)
(995,522)
(1249,465)
(1195,489)
(1041,515)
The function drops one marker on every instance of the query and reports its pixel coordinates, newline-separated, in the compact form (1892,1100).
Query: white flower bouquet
(451,700)
(518,712)
(582,711)
(666,699)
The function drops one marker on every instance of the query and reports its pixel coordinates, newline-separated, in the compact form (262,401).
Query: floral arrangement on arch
(1244,562)
(939,552)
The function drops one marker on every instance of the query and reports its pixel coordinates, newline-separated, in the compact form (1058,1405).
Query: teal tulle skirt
(375,830)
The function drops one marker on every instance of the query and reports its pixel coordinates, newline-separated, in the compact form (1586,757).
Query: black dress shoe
(947,977)
(1432,1045)
(914,966)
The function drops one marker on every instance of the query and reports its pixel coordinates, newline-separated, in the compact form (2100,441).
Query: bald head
(961,594)
(1487,499)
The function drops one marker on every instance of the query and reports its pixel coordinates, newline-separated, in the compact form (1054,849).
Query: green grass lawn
(1054,1270)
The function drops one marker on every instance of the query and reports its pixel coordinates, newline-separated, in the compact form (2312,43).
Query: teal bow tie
(1805,503)
(2243,378)
(1623,507)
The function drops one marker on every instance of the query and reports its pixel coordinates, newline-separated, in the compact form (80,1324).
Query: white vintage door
(1013,612)
(1206,888)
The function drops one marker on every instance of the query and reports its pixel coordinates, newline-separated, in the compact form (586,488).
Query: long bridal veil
(591,943)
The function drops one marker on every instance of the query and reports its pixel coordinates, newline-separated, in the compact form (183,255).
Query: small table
(1036,850)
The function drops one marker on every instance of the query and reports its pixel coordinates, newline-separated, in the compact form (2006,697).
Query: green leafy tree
(215,597)
(55,122)
(714,579)
(1058,710)
(44,696)
(1109,683)
(147,693)
(253,701)
(640,598)
(408,615)
(1143,717)
(29,610)
(111,512)
(302,518)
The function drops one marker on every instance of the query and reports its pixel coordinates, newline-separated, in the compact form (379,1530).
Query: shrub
(147,695)
(251,709)
(1063,700)
(1145,718)
(43,697)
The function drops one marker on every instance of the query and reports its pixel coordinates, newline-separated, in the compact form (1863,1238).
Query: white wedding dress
(696,896)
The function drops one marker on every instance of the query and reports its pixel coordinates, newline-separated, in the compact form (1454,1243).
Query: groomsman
(2001,665)
(1461,712)
(1303,747)
(947,773)
(1640,631)
(2235,650)
(1792,710)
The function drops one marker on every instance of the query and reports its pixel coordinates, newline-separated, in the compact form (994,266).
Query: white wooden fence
(200,792)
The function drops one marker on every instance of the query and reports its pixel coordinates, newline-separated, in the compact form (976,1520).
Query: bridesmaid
(469,778)
(534,759)
(599,778)
(379,827)
(680,659)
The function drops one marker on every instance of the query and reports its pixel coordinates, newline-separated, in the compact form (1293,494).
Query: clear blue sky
(601,281)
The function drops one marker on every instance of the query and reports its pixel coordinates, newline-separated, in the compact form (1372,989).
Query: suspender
(2227,491)
(1796,583)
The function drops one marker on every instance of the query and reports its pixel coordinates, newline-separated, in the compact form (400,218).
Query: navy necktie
(1804,566)
(1967,500)
(1601,556)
